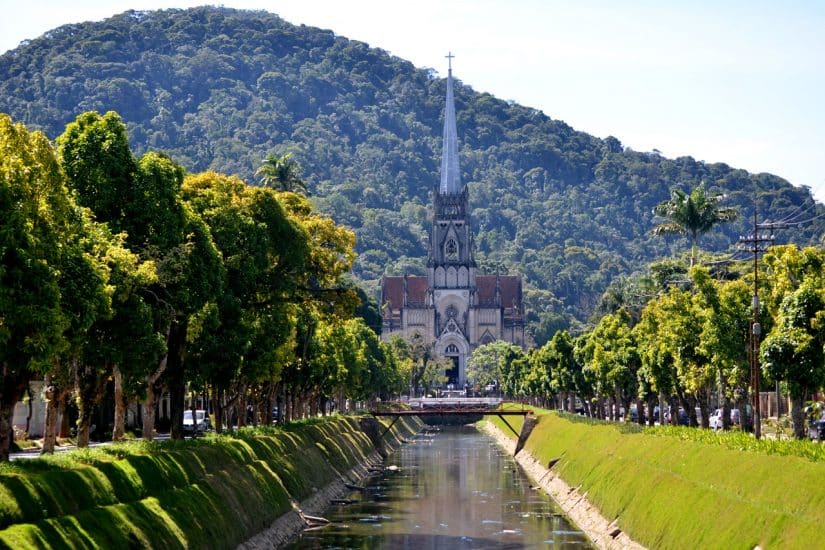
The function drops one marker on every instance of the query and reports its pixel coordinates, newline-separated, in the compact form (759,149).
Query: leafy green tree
(566,378)
(484,363)
(263,253)
(693,214)
(794,349)
(613,359)
(35,207)
(667,336)
(723,308)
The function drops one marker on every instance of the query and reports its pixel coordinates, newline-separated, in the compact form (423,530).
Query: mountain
(219,88)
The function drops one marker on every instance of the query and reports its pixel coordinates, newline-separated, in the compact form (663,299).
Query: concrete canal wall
(677,488)
(603,532)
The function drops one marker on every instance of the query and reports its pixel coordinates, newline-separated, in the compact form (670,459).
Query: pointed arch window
(452,349)
(451,249)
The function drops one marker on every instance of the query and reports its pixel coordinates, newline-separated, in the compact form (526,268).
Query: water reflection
(452,489)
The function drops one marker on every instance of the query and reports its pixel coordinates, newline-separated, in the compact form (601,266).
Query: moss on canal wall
(669,492)
(214,492)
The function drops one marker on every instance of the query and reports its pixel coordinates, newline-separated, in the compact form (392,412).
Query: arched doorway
(451,352)
(453,347)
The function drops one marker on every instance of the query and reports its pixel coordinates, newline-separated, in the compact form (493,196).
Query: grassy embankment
(213,492)
(688,488)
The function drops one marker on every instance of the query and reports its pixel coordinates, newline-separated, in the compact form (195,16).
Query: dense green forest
(220,89)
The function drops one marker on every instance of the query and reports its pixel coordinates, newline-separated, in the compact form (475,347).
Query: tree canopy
(220,89)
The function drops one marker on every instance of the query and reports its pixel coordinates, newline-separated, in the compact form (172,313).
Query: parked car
(198,424)
(816,428)
(716,419)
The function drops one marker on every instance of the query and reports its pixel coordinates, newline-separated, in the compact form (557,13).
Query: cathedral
(454,307)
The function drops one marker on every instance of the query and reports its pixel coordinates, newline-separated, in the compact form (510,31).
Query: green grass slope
(208,493)
(670,490)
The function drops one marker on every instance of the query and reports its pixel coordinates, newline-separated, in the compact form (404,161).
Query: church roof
(450,175)
(486,285)
(417,290)
(392,291)
(509,286)
(510,291)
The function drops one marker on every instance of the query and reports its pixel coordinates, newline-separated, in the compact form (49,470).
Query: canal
(453,488)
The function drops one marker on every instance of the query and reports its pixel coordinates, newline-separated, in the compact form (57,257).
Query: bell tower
(451,263)
(451,259)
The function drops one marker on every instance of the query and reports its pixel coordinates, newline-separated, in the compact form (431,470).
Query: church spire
(450,176)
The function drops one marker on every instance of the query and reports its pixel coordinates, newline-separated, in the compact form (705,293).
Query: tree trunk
(175,377)
(63,415)
(798,416)
(689,404)
(640,411)
(218,410)
(12,386)
(281,400)
(149,413)
(662,409)
(674,411)
(149,403)
(651,404)
(6,430)
(52,399)
(119,428)
(90,385)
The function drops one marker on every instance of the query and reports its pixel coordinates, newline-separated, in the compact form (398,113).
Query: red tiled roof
(510,291)
(392,292)
(486,285)
(417,290)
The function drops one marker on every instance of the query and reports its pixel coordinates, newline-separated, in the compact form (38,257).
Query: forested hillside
(219,88)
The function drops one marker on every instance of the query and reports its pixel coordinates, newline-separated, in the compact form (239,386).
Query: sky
(734,81)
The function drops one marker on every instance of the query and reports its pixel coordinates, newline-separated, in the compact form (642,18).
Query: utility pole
(757,242)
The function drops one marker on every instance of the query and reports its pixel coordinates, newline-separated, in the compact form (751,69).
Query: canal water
(453,488)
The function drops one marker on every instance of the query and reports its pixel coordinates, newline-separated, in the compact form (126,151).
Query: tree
(668,340)
(264,253)
(141,198)
(566,375)
(794,349)
(613,359)
(484,363)
(693,214)
(35,206)
(281,174)
(723,308)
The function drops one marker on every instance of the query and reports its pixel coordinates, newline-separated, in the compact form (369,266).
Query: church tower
(453,308)
(451,263)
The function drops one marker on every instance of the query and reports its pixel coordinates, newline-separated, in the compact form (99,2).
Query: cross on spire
(449,57)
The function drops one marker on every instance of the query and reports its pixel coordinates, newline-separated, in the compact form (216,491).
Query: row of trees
(681,336)
(128,269)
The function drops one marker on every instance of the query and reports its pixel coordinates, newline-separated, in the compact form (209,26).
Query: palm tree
(281,174)
(692,214)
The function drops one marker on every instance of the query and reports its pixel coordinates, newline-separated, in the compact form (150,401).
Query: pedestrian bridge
(450,410)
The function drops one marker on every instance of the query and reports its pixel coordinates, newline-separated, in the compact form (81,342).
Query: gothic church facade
(454,307)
